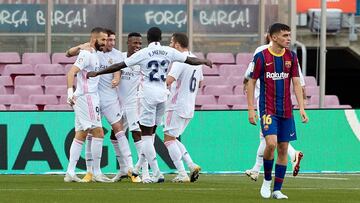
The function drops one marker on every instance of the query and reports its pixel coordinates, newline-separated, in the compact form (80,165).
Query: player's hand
(91,74)
(208,63)
(252,116)
(304,117)
(70,97)
(85,46)
(114,83)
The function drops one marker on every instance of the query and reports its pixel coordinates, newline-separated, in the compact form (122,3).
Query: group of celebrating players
(140,88)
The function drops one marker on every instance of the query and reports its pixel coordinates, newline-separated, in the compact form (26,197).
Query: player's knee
(271,146)
(136,136)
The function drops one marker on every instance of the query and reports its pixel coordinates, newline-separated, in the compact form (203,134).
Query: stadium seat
(214,71)
(2,107)
(311,91)
(63,99)
(310,81)
(36,58)
(60,107)
(10,99)
(200,55)
(57,90)
(8,58)
(239,90)
(240,107)
(329,100)
(2,90)
(43,99)
(214,107)
(221,58)
(205,99)
(214,80)
(23,107)
(218,90)
(49,69)
(232,100)
(60,58)
(6,81)
(67,68)
(231,70)
(235,80)
(244,58)
(19,69)
(28,80)
(55,80)
(26,91)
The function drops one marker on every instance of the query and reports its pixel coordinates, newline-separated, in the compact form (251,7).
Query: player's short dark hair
(98,30)
(182,39)
(277,27)
(154,34)
(134,34)
(110,32)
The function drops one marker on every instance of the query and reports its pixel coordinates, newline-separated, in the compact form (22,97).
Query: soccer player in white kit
(110,108)
(85,101)
(295,156)
(154,62)
(184,81)
(128,96)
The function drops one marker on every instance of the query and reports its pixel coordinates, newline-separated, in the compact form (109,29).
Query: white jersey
(251,68)
(183,91)
(106,91)
(129,84)
(86,61)
(154,62)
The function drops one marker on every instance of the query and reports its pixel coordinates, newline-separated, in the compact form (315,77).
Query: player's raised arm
(74,51)
(197,61)
(250,99)
(111,69)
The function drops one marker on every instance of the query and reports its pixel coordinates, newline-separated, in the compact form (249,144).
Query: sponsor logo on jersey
(277,76)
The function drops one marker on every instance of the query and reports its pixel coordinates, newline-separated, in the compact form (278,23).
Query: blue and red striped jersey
(275,72)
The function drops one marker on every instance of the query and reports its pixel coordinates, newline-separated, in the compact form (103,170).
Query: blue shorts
(283,128)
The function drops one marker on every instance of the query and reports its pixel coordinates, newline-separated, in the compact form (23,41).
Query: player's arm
(111,69)
(169,80)
(302,83)
(299,97)
(250,99)
(116,79)
(74,51)
(247,73)
(70,83)
(196,61)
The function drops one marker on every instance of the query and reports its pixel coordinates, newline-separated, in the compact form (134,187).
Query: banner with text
(226,19)
(219,141)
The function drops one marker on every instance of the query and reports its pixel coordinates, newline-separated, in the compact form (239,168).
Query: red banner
(347,6)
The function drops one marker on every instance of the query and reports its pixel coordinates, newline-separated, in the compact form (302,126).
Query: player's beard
(98,46)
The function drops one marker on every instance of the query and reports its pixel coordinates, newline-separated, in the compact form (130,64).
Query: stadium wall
(219,141)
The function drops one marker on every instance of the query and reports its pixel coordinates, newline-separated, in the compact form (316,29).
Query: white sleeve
(82,60)
(135,59)
(176,70)
(249,69)
(177,55)
(302,80)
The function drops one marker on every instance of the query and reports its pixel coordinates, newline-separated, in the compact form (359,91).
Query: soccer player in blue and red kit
(276,67)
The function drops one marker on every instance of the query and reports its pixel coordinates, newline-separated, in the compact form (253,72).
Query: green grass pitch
(209,188)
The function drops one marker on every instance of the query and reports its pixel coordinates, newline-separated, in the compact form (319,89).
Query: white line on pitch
(318,178)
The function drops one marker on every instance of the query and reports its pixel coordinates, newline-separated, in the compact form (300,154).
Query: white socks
(291,152)
(259,155)
(96,150)
(88,155)
(150,154)
(141,163)
(119,158)
(124,149)
(185,155)
(175,155)
(75,151)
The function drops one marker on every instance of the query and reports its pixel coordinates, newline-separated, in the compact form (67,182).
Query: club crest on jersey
(111,61)
(288,64)
(266,127)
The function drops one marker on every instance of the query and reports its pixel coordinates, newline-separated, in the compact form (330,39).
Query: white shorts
(174,124)
(131,117)
(151,114)
(87,112)
(111,111)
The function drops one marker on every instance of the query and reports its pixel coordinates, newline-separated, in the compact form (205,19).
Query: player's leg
(121,161)
(254,172)
(295,157)
(75,151)
(172,130)
(269,128)
(89,160)
(147,122)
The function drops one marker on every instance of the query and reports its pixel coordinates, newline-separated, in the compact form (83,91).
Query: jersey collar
(153,44)
(275,54)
